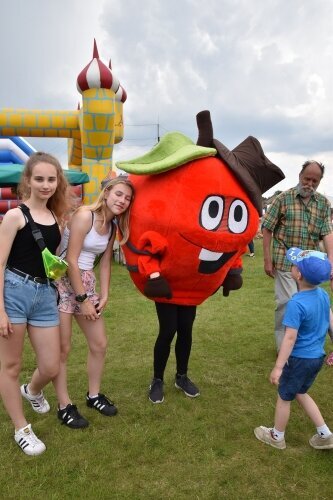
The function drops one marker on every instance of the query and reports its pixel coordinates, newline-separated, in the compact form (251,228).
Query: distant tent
(10,175)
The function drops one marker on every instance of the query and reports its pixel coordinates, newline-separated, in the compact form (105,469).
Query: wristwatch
(81,298)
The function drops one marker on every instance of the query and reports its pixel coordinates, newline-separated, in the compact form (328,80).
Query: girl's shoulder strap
(92,220)
(24,210)
(53,215)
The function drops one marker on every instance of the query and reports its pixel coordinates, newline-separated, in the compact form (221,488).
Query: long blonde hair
(59,202)
(99,206)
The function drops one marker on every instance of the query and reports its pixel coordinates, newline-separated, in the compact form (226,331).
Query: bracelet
(81,298)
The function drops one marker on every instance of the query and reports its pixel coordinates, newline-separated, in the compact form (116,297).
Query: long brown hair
(59,202)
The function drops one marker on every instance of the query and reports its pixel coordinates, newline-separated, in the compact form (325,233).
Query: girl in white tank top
(90,232)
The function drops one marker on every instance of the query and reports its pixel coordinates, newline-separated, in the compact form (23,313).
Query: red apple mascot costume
(196,208)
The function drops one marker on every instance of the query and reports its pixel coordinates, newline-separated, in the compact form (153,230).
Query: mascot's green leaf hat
(174,150)
(254,171)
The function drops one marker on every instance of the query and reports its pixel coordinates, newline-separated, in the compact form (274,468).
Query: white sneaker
(38,402)
(321,443)
(265,435)
(28,441)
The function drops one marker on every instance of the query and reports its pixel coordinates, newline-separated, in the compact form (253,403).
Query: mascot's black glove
(157,287)
(232,281)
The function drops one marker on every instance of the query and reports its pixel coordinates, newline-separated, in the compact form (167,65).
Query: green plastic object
(54,266)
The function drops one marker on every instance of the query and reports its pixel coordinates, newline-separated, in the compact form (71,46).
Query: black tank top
(25,254)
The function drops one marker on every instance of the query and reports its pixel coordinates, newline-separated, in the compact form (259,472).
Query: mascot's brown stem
(205,128)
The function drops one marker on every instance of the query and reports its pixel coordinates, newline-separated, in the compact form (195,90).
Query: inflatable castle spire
(92,129)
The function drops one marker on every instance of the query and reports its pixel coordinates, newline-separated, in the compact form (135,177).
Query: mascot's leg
(167,318)
(186,317)
(185,320)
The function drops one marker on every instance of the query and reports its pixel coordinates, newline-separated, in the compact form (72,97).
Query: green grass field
(182,449)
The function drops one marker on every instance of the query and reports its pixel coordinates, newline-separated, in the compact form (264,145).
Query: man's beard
(305,192)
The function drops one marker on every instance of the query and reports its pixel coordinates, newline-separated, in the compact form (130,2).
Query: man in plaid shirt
(299,217)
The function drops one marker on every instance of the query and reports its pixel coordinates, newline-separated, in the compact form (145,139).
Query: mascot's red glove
(232,281)
(154,245)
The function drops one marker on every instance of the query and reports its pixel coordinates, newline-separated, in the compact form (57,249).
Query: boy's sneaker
(155,394)
(265,435)
(38,402)
(28,441)
(321,443)
(102,404)
(71,417)
(185,384)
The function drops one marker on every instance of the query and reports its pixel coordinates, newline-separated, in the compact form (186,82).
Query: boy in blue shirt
(307,320)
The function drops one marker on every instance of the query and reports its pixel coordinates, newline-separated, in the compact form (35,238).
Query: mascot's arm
(233,279)
(154,245)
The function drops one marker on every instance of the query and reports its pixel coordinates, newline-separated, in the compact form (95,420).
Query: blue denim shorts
(298,375)
(30,302)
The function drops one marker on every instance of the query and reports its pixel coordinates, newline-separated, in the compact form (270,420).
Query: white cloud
(261,68)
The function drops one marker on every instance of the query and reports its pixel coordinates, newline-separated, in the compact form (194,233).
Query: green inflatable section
(10,175)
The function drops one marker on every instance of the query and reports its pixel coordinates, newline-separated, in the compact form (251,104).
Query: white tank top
(93,244)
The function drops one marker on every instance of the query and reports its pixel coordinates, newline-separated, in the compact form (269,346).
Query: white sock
(63,407)
(92,397)
(323,431)
(278,435)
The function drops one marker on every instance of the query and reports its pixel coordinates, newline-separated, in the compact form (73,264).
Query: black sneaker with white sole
(156,391)
(186,385)
(102,404)
(72,418)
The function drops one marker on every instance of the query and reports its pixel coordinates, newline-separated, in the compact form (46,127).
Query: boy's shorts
(29,302)
(67,302)
(297,376)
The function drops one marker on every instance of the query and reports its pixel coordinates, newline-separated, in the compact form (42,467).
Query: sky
(261,67)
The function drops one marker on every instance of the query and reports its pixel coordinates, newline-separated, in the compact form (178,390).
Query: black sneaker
(185,384)
(71,417)
(102,404)
(156,391)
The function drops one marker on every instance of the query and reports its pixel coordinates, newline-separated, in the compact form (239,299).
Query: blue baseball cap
(313,265)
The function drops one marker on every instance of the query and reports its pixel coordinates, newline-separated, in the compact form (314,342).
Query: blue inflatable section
(14,150)
(7,156)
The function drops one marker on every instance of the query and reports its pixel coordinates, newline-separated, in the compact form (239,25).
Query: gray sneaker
(186,385)
(320,443)
(156,391)
(265,435)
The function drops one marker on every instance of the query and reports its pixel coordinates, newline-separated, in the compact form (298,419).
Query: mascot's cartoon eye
(238,216)
(212,212)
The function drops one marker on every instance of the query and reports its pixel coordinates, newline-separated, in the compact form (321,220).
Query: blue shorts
(297,376)
(29,302)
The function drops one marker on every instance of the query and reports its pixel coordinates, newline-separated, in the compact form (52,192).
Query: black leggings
(173,318)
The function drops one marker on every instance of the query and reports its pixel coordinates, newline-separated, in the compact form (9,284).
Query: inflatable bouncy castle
(14,152)
(92,130)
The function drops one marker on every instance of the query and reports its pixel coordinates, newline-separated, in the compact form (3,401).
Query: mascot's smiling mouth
(210,262)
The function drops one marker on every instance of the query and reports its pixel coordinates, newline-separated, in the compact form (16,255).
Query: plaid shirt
(295,224)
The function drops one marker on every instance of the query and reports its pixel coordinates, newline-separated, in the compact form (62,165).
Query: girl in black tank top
(25,254)
(28,301)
